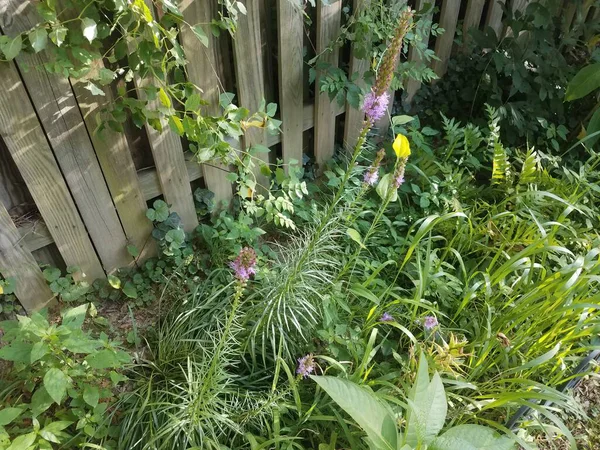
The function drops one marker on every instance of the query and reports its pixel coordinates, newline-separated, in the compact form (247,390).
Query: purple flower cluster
(430,322)
(371,176)
(386,317)
(306,365)
(375,105)
(244,265)
(399,175)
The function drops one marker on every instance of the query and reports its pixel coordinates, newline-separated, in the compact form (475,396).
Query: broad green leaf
(12,47)
(129,290)
(133,250)
(40,401)
(385,187)
(57,426)
(95,90)
(373,417)
(58,35)
(7,415)
(91,395)
(164,98)
(593,127)
(584,82)
(79,342)
(17,351)
(73,318)
(355,236)
(471,437)
(55,382)
(115,282)
(51,274)
(176,125)
(401,120)
(200,34)
(38,38)
(89,29)
(428,407)
(106,359)
(193,102)
(23,442)
(39,350)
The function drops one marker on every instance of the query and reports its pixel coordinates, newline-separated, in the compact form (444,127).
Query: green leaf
(193,102)
(164,98)
(133,250)
(355,236)
(38,38)
(364,407)
(51,274)
(17,351)
(104,359)
(23,442)
(55,382)
(73,318)
(593,127)
(129,290)
(428,407)
(12,47)
(584,82)
(91,395)
(40,401)
(89,29)
(79,342)
(471,437)
(39,350)
(58,35)
(7,415)
(401,120)
(114,282)
(176,125)
(200,34)
(95,90)
(384,186)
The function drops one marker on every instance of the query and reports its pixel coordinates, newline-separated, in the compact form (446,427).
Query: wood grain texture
(205,72)
(443,44)
(519,5)
(494,17)
(25,140)
(250,75)
(328,27)
(472,18)
(291,71)
(113,153)
(412,86)
(63,124)
(16,261)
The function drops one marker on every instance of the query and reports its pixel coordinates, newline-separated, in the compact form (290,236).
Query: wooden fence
(72,197)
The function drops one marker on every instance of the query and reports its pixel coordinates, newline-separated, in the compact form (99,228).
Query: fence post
(443,44)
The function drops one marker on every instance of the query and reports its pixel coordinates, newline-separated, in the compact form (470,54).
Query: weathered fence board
(443,44)
(61,119)
(203,71)
(494,16)
(16,261)
(472,17)
(29,148)
(119,170)
(412,86)
(291,70)
(249,71)
(329,17)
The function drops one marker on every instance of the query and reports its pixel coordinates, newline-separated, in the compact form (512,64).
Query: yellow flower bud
(401,146)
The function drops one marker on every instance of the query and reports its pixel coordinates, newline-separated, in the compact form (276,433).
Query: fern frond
(530,167)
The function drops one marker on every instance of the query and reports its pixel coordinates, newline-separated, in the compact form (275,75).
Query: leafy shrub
(61,382)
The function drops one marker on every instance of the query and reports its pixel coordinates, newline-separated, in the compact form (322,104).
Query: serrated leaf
(193,102)
(89,28)
(38,38)
(12,47)
(362,405)
(56,382)
(200,34)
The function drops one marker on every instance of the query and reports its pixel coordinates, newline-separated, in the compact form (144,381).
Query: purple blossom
(371,176)
(399,175)
(386,317)
(306,365)
(375,106)
(244,265)
(430,322)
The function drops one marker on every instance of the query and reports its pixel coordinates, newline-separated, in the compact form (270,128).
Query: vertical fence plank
(412,86)
(27,144)
(443,44)
(167,151)
(329,17)
(472,17)
(291,69)
(250,74)
(61,119)
(119,170)
(519,5)
(494,17)
(203,71)
(16,261)
(354,116)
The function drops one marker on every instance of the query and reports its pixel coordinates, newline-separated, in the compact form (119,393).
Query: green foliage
(68,288)
(62,382)
(8,302)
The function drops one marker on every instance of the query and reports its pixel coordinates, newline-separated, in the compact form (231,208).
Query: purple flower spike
(244,265)
(306,365)
(375,106)
(430,323)
(371,176)
(386,317)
